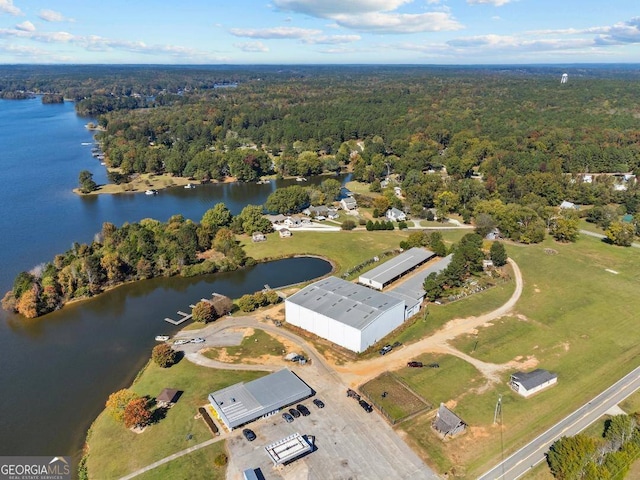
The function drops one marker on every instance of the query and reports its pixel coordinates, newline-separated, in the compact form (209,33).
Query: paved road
(600,236)
(533,453)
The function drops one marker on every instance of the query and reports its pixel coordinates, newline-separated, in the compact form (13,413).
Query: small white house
(397,191)
(258,237)
(528,383)
(568,205)
(292,222)
(395,214)
(348,203)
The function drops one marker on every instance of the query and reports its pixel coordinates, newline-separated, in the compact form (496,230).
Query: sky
(462,32)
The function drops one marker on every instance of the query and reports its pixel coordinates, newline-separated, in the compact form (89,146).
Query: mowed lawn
(345,249)
(576,318)
(115,451)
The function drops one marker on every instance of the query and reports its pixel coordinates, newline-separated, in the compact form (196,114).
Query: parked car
(303,410)
(318,403)
(414,364)
(287,417)
(249,434)
(182,341)
(294,413)
(434,365)
(386,349)
(366,406)
(197,340)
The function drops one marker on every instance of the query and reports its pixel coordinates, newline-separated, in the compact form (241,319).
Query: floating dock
(185,316)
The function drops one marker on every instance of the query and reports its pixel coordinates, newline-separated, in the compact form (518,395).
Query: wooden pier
(185,316)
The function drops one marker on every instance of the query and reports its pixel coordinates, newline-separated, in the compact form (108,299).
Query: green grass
(196,465)
(115,451)
(439,385)
(576,318)
(438,315)
(252,346)
(398,403)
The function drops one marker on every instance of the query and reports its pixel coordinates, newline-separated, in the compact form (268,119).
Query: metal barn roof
(397,266)
(411,288)
(244,402)
(345,302)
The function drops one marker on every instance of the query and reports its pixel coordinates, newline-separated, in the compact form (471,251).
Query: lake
(56,372)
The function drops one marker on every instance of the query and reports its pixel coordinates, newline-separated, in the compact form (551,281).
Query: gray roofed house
(393,269)
(244,402)
(396,214)
(345,313)
(314,211)
(528,383)
(348,203)
(447,423)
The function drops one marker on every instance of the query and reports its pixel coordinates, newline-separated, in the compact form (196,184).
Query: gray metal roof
(346,302)
(244,402)
(411,288)
(446,420)
(398,265)
(533,379)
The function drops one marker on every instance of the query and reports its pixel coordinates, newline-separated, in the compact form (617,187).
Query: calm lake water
(57,371)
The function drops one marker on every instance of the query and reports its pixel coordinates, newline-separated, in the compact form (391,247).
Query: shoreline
(146,182)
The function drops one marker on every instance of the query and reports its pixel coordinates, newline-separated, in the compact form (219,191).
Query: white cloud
(7,6)
(274,33)
(400,23)
(53,16)
(331,39)
(495,3)
(252,47)
(376,16)
(621,33)
(26,26)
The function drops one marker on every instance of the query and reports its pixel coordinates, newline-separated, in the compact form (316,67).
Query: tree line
(136,251)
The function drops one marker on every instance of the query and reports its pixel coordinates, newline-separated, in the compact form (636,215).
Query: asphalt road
(533,453)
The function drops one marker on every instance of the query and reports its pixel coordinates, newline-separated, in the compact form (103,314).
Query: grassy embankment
(115,451)
(574,318)
(252,348)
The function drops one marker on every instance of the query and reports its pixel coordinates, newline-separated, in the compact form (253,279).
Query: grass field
(253,346)
(575,318)
(398,402)
(115,451)
(194,466)
(345,249)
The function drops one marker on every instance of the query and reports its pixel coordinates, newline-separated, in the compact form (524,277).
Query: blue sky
(320,31)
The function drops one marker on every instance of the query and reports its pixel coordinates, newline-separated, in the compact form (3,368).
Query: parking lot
(350,443)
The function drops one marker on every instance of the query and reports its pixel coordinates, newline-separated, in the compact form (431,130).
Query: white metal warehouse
(391,270)
(244,402)
(350,315)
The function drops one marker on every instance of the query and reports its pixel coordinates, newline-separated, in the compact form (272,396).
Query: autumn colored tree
(222,305)
(620,233)
(137,413)
(163,355)
(118,401)
(204,312)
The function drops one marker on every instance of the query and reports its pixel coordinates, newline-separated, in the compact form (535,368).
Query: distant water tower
(564,78)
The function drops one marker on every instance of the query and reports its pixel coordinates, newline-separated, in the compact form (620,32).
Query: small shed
(447,423)
(284,232)
(528,383)
(168,397)
(258,237)
(568,205)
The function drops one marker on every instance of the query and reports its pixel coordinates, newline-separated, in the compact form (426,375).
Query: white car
(197,340)
(181,342)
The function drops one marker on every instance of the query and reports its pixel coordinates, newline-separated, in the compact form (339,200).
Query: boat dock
(185,316)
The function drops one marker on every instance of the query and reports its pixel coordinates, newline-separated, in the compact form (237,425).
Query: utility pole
(498,411)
